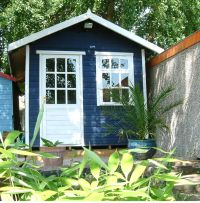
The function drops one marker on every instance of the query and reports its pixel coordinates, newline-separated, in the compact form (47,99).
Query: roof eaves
(78,19)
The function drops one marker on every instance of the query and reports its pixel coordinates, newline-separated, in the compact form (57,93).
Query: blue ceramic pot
(148,144)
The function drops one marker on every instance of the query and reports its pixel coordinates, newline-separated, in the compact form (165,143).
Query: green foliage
(48,143)
(162,22)
(120,180)
(137,119)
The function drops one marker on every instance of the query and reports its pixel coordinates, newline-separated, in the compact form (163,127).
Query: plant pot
(53,163)
(145,144)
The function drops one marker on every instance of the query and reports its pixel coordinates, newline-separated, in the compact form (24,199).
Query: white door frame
(79,54)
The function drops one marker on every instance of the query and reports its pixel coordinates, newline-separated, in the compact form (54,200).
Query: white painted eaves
(78,19)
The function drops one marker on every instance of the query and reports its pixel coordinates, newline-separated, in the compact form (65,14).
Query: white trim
(99,53)
(78,19)
(99,71)
(144,76)
(47,52)
(27,95)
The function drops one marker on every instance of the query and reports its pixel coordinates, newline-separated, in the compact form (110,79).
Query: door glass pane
(60,65)
(106,79)
(125,94)
(60,80)
(124,63)
(106,95)
(115,95)
(50,80)
(105,63)
(71,96)
(61,97)
(115,63)
(50,96)
(50,64)
(124,80)
(115,80)
(71,65)
(71,80)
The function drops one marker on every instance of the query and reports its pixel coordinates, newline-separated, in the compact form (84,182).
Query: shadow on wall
(182,70)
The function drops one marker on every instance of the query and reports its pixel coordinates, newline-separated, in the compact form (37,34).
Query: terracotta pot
(51,163)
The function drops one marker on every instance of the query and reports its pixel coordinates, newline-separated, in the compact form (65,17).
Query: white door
(61,85)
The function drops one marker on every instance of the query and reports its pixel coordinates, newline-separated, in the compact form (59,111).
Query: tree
(163,22)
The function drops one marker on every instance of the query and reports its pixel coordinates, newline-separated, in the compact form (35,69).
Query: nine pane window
(115,78)
(61,81)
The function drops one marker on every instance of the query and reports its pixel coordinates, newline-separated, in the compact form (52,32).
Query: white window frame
(99,71)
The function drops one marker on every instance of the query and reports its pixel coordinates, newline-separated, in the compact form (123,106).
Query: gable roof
(78,19)
(8,77)
(175,49)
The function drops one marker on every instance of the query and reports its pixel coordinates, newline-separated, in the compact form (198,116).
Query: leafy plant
(137,119)
(49,143)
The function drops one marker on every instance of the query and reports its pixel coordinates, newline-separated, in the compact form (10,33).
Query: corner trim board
(144,76)
(27,94)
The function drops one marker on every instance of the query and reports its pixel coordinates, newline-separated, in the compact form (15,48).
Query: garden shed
(180,66)
(74,65)
(6,102)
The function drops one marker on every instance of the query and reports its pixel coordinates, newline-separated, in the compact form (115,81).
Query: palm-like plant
(138,119)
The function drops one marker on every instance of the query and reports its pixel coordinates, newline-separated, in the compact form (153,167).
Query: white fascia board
(46,52)
(47,31)
(125,33)
(78,19)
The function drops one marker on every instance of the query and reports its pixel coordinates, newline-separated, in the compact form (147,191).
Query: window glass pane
(115,95)
(71,80)
(71,96)
(115,63)
(105,63)
(106,95)
(125,94)
(61,65)
(124,80)
(61,97)
(50,64)
(124,63)
(50,96)
(50,80)
(71,65)
(61,80)
(106,79)
(115,80)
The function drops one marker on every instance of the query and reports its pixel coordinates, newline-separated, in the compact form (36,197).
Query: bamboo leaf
(138,172)
(111,180)
(47,155)
(159,165)
(95,196)
(126,164)
(6,164)
(95,158)
(113,162)
(82,165)
(94,184)
(11,138)
(95,169)
(37,125)
(84,184)
(21,152)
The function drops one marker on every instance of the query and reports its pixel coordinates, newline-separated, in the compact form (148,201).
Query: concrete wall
(183,70)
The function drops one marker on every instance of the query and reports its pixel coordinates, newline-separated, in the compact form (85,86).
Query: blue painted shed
(6,102)
(74,65)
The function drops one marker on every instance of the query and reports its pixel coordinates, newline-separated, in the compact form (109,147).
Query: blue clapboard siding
(76,38)
(6,105)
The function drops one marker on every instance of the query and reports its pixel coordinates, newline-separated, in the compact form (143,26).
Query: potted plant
(52,148)
(139,121)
